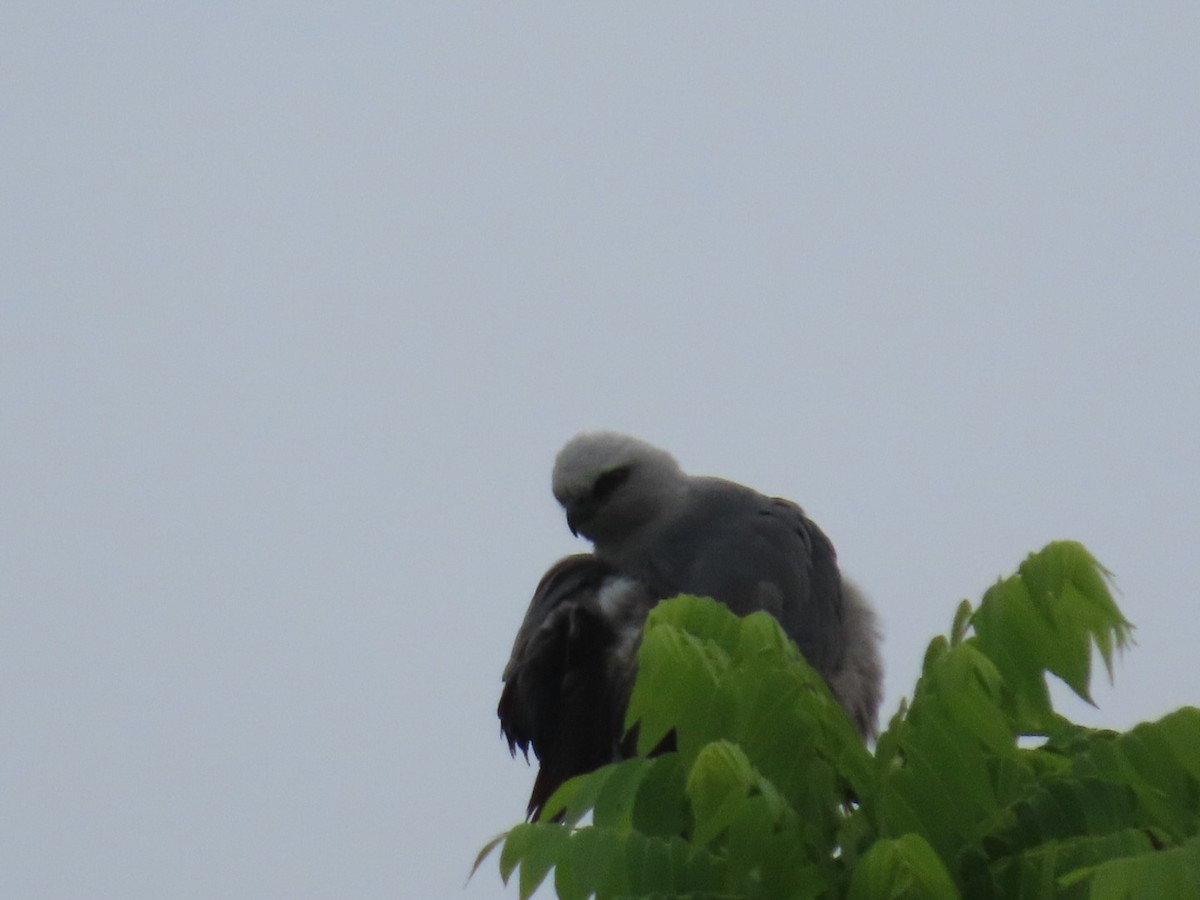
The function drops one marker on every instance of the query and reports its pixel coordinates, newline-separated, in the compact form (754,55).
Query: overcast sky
(298,302)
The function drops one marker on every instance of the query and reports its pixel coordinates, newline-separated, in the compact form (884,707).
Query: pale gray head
(611,484)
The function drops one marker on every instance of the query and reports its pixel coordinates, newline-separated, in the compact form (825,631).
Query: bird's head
(611,484)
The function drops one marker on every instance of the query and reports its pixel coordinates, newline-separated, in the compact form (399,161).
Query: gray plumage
(661,532)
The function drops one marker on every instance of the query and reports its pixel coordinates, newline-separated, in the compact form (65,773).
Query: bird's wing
(563,582)
(756,553)
(567,682)
(804,559)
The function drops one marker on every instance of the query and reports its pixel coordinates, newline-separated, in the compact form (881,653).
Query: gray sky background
(298,303)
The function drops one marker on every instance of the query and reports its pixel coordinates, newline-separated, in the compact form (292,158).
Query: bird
(657,532)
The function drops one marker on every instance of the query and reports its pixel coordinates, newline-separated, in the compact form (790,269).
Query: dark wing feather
(567,682)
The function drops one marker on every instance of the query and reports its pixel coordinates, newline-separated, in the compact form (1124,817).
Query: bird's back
(752,553)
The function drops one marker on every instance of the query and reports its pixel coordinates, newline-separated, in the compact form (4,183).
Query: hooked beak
(578,514)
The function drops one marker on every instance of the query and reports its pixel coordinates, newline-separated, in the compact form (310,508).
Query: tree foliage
(770,793)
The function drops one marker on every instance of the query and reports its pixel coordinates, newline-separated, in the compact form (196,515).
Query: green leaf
(576,797)
(1045,870)
(660,808)
(615,801)
(595,863)
(1067,582)
(605,863)
(1159,762)
(536,848)
(486,851)
(1151,875)
(950,744)
(721,784)
(754,689)
(1048,617)
(962,621)
(678,676)
(903,868)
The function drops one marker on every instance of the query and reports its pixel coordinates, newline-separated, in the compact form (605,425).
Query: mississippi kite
(658,532)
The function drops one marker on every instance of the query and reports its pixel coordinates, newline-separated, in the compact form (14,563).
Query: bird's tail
(857,685)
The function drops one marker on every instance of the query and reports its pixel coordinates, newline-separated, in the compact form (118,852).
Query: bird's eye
(609,481)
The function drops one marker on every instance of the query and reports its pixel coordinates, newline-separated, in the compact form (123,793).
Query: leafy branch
(769,792)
